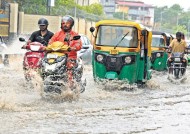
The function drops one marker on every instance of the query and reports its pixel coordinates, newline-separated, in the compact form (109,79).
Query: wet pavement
(161,107)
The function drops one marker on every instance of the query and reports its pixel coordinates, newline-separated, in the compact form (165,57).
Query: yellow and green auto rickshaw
(121,51)
(159,55)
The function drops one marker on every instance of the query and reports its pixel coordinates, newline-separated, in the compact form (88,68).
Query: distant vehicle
(188,53)
(188,42)
(86,52)
(4,57)
(2,44)
(158,55)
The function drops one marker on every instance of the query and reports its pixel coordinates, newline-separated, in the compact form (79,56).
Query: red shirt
(77,44)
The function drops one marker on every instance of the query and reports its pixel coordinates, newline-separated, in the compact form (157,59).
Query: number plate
(177,59)
(113,59)
(50,67)
(34,48)
(114,51)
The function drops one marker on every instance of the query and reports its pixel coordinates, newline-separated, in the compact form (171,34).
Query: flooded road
(160,108)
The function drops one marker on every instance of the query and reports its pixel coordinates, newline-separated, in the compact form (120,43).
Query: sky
(183,3)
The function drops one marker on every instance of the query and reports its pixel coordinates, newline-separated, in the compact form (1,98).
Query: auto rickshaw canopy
(138,26)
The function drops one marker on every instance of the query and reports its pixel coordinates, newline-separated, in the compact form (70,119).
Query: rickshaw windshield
(157,41)
(112,35)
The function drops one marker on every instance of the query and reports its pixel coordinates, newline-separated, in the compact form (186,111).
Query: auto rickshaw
(121,51)
(159,56)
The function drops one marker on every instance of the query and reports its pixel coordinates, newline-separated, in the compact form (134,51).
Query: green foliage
(172,19)
(61,7)
(95,8)
(66,3)
(181,28)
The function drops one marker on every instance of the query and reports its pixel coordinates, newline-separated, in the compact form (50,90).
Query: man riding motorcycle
(43,32)
(177,45)
(65,35)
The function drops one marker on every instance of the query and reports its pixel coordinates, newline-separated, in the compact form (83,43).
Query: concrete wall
(28,23)
(13,18)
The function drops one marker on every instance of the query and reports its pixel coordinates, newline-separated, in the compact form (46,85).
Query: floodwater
(161,107)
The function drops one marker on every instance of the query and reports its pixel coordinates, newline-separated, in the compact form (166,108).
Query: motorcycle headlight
(158,55)
(59,59)
(63,60)
(128,59)
(99,58)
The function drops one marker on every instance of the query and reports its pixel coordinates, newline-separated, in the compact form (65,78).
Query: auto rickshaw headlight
(99,58)
(158,55)
(127,59)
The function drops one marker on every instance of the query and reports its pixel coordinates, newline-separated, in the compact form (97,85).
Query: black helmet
(43,21)
(178,34)
(68,18)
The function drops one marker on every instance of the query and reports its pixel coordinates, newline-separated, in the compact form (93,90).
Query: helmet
(178,34)
(43,21)
(68,18)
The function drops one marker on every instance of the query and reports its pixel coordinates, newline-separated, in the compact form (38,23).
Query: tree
(95,8)
(173,18)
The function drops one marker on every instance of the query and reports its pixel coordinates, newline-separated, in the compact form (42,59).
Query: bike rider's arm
(76,45)
(29,40)
(170,46)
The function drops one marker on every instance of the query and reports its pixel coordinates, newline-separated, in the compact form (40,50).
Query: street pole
(161,17)
(188,29)
(160,20)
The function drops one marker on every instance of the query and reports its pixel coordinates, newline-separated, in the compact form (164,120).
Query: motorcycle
(54,69)
(32,58)
(177,68)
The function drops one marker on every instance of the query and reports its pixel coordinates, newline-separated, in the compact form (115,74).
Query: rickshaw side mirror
(143,32)
(92,29)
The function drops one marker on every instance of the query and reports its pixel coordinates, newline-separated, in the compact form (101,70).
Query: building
(109,7)
(86,2)
(137,11)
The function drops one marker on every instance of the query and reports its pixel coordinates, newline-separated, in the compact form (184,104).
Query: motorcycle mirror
(144,32)
(76,37)
(21,39)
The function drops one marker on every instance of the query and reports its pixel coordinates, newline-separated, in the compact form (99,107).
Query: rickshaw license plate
(113,59)
(114,51)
